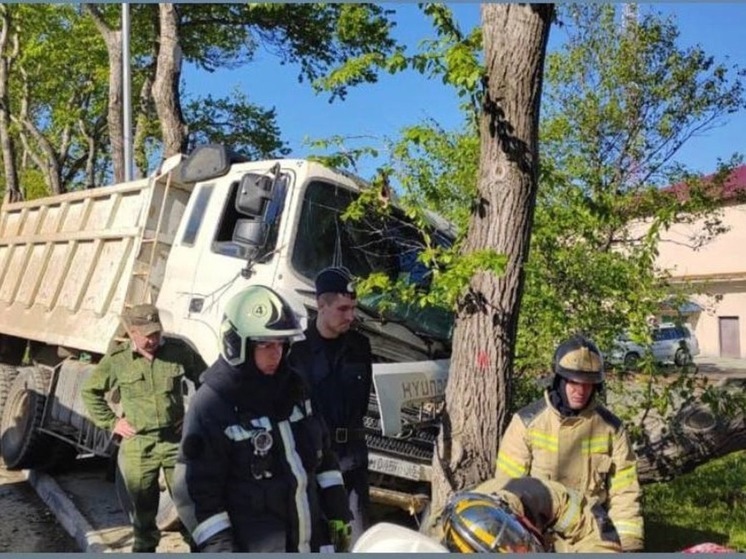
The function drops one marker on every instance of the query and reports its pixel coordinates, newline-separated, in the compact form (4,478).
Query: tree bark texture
(515,39)
(115,117)
(166,83)
(35,144)
(12,188)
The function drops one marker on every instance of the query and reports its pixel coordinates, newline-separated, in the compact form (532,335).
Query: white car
(671,344)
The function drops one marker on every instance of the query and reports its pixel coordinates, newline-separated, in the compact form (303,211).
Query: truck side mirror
(254,192)
(205,163)
(252,232)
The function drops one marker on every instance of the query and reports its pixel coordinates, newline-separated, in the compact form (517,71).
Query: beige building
(717,270)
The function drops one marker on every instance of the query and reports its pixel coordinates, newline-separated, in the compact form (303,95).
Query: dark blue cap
(336,279)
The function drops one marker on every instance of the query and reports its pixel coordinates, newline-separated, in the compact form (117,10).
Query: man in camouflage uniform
(148,372)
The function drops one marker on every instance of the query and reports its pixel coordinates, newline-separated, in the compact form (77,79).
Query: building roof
(733,188)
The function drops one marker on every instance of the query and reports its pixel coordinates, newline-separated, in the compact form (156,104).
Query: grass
(706,505)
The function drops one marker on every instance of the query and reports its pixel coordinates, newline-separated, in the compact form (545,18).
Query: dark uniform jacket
(233,496)
(340,386)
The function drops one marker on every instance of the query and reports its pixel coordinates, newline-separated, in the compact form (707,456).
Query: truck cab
(189,237)
(279,223)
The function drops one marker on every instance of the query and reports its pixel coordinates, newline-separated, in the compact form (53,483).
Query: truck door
(228,242)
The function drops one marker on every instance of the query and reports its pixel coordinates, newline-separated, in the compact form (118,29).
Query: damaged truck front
(187,239)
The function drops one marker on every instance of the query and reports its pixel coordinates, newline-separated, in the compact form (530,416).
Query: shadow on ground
(660,537)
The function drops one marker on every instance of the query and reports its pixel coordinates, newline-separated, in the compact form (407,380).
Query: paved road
(27,524)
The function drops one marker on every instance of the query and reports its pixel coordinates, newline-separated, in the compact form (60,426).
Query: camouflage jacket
(150,392)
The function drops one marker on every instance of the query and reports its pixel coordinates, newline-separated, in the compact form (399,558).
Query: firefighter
(147,371)
(336,362)
(256,472)
(569,437)
(527,515)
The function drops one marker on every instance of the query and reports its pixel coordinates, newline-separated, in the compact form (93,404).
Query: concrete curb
(66,512)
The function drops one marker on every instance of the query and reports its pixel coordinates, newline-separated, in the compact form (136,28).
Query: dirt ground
(27,525)
(94,495)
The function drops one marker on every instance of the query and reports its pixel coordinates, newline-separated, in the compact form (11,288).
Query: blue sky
(374,112)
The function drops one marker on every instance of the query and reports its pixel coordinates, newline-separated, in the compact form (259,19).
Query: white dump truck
(187,238)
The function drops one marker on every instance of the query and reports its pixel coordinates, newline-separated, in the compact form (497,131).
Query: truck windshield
(387,245)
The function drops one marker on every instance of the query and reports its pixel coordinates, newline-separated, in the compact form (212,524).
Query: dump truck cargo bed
(70,263)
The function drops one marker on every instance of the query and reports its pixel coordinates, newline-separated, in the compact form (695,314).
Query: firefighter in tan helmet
(567,436)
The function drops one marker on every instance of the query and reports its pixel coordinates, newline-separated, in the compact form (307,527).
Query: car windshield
(670,333)
(389,245)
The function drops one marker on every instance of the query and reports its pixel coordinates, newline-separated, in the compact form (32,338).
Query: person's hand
(340,533)
(123,428)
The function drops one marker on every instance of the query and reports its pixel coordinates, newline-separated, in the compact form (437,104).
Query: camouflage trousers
(141,458)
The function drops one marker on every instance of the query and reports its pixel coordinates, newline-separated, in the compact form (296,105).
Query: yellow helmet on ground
(480,523)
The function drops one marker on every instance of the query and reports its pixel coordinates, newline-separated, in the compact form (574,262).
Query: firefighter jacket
(150,392)
(589,453)
(340,374)
(564,518)
(255,470)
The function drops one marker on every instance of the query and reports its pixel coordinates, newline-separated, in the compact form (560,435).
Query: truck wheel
(7,374)
(167,518)
(22,445)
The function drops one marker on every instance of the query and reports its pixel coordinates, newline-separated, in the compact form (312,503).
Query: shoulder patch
(609,418)
(528,413)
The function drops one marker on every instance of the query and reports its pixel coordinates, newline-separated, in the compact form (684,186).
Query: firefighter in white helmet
(256,471)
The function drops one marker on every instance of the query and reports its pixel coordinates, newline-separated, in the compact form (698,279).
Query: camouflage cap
(144,318)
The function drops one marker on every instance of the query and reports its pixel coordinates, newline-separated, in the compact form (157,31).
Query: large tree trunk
(12,188)
(515,39)
(113,41)
(166,83)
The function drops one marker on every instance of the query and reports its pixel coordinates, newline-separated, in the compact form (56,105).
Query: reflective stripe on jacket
(589,453)
(276,496)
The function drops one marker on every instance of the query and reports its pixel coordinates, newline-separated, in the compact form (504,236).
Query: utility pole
(629,17)
(629,30)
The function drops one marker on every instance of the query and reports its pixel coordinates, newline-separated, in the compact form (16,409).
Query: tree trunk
(36,146)
(515,39)
(166,83)
(12,188)
(113,41)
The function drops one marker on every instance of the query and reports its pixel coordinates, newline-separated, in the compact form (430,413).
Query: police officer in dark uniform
(256,472)
(336,362)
